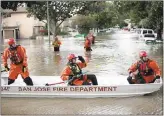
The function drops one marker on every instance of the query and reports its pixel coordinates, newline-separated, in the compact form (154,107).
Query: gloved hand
(70,80)
(80,76)
(81,59)
(24,69)
(7,68)
(157,79)
(131,74)
(70,77)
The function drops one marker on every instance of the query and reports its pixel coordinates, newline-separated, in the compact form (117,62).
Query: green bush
(63,33)
(33,37)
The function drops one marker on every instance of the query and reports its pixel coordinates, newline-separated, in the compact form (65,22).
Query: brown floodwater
(112,53)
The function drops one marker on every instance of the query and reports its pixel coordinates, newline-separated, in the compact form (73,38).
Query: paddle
(54,83)
(3,71)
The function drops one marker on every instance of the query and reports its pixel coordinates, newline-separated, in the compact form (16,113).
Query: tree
(143,13)
(58,11)
(102,12)
(85,23)
(156,17)
(14,4)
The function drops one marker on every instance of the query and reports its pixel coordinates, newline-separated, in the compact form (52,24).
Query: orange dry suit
(147,70)
(87,45)
(73,70)
(18,60)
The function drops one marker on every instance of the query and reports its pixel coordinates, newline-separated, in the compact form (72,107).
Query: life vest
(144,69)
(56,44)
(14,56)
(76,70)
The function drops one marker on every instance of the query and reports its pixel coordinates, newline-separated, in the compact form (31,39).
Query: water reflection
(87,56)
(57,58)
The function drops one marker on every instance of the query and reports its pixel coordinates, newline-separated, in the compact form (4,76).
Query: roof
(19,10)
(10,27)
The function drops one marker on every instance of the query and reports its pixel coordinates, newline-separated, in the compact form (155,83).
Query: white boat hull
(79,91)
(110,87)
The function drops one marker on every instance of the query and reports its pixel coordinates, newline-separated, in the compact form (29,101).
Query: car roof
(147,29)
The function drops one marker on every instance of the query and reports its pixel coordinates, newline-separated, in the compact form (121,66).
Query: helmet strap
(143,59)
(12,47)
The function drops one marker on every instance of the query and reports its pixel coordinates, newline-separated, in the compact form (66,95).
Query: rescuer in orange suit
(87,44)
(147,70)
(73,73)
(56,44)
(18,62)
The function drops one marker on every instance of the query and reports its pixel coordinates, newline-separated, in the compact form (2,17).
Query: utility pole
(48,21)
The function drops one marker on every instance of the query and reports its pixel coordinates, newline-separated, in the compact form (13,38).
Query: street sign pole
(48,22)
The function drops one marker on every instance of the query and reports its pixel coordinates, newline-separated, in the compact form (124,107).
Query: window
(144,31)
(150,31)
(7,15)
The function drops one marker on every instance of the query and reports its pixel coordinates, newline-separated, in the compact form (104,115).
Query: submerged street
(112,55)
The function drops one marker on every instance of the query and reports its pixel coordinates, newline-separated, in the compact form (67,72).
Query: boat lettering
(42,89)
(59,89)
(5,88)
(93,89)
(24,89)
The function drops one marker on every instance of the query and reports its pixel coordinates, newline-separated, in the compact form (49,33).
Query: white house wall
(25,23)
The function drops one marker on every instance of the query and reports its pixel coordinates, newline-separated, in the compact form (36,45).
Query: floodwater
(112,55)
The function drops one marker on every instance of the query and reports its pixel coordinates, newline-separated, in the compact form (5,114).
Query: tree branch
(44,21)
(59,24)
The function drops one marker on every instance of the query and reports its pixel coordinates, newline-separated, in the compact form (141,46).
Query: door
(8,34)
(17,33)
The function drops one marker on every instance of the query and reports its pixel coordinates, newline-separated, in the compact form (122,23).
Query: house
(17,24)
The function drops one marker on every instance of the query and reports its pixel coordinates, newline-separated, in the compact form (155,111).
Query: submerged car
(142,32)
(149,38)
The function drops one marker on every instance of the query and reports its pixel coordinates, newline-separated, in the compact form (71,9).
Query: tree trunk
(53,27)
(159,29)
(159,34)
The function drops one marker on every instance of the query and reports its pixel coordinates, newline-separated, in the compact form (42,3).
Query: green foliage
(33,37)
(84,23)
(146,13)
(100,14)
(63,33)
(14,4)
(58,11)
